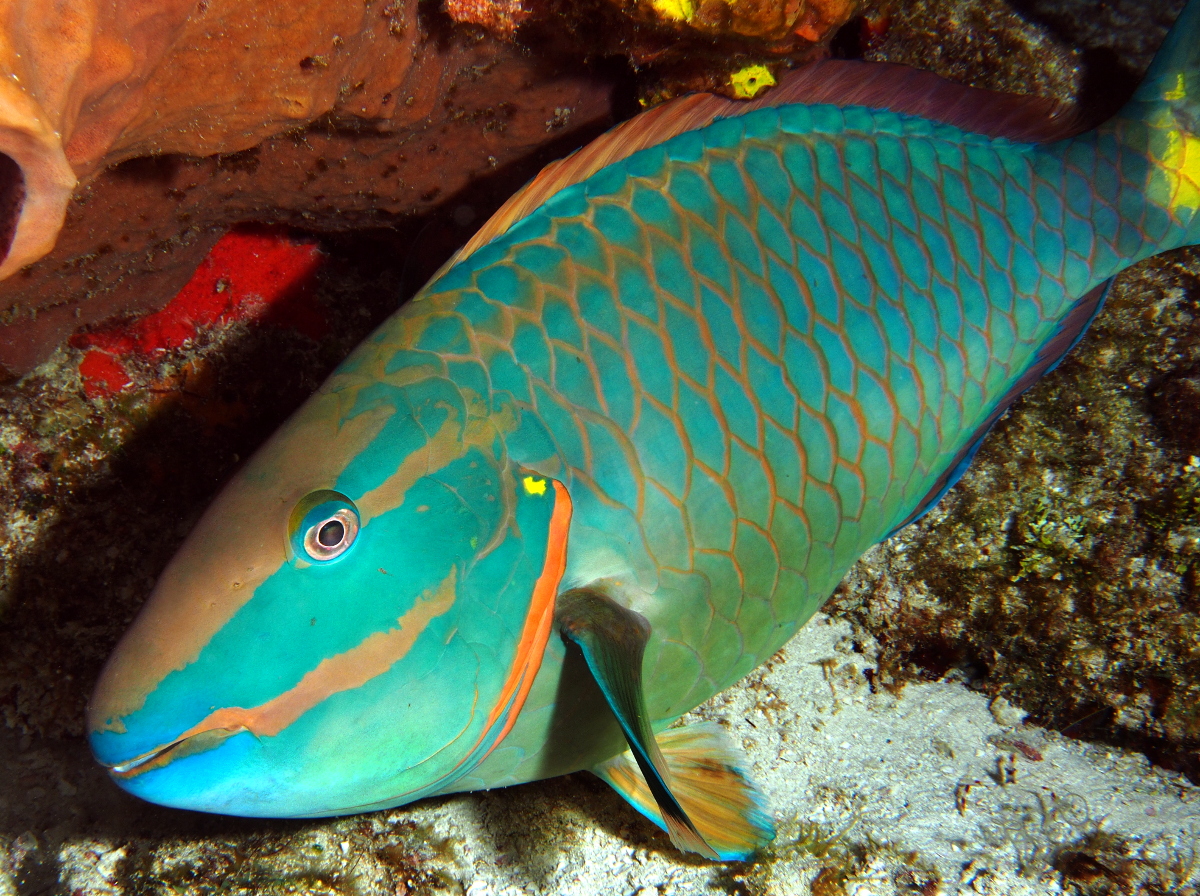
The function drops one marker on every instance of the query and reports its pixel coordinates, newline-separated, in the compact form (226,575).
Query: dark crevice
(12,199)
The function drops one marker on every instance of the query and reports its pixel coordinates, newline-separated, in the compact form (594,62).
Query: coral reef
(252,274)
(681,46)
(763,20)
(1060,575)
(363,92)
(500,17)
(468,111)
(674,36)
(86,86)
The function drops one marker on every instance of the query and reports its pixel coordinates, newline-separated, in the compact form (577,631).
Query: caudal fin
(1167,105)
(1174,76)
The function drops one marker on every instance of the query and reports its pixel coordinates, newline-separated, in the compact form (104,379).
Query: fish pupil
(331,534)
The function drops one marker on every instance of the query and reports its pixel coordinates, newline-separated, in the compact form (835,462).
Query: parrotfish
(628,441)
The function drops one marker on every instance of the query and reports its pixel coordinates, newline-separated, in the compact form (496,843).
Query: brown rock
(466,110)
(690,44)
(313,113)
(88,84)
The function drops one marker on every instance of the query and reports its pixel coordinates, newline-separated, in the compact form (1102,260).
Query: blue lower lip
(216,780)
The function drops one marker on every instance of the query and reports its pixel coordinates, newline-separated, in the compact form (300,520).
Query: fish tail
(1174,75)
(1163,121)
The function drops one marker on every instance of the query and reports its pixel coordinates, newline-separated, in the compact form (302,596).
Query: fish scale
(666,408)
(878,322)
(820,313)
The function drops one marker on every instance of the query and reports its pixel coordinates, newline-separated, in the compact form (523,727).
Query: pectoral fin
(613,641)
(724,805)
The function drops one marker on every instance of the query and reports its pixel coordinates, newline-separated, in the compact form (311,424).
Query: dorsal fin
(654,126)
(876,85)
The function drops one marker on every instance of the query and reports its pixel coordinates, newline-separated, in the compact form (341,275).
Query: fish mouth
(188,744)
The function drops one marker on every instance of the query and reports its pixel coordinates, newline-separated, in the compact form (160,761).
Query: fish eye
(330,538)
(324,525)
(331,534)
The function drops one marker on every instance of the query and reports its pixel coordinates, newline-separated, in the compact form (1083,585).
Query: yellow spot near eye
(534,486)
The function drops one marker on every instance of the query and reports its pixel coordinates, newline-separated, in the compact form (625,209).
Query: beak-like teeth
(185,746)
(125,769)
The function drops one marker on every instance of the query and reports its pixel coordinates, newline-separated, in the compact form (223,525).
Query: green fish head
(353,623)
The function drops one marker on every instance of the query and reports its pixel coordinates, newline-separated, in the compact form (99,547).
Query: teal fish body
(694,386)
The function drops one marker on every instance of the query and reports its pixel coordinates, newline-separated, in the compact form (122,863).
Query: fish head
(353,623)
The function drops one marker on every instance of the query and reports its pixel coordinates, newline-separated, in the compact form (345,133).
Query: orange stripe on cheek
(369,659)
(537,621)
